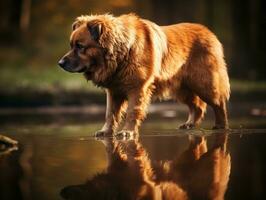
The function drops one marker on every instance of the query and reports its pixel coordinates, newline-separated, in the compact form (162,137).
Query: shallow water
(57,156)
(55,161)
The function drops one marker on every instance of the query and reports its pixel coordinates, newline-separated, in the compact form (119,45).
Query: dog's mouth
(88,69)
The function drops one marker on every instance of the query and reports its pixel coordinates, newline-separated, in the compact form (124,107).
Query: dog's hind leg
(197,109)
(220,111)
(217,100)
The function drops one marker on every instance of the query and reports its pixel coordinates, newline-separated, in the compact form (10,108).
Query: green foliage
(48,79)
(248,86)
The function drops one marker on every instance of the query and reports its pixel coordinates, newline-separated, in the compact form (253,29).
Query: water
(54,161)
(57,156)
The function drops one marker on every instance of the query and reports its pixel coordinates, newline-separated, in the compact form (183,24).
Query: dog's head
(86,54)
(100,47)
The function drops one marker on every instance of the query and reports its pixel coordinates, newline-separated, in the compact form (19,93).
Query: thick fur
(135,60)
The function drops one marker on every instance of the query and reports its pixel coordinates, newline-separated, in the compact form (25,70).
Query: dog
(136,60)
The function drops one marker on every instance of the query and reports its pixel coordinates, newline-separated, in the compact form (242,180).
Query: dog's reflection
(198,173)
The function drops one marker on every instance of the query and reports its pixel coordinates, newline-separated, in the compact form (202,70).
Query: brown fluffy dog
(135,59)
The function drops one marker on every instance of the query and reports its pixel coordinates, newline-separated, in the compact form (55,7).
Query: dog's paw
(102,133)
(125,135)
(187,126)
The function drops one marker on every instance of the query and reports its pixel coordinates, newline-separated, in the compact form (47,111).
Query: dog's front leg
(138,101)
(113,114)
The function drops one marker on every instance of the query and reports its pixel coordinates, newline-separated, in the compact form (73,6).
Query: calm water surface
(65,162)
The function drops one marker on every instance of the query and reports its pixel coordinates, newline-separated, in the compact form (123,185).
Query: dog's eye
(80,46)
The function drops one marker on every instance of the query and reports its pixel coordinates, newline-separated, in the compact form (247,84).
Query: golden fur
(135,59)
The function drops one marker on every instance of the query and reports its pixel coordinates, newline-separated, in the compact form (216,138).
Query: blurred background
(34,34)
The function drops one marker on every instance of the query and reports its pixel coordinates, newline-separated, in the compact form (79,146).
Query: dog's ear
(75,25)
(95,28)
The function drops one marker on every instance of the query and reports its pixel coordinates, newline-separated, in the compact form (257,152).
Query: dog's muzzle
(62,63)
(66,65)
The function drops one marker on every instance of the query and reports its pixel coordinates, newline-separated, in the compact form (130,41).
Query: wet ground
(57,157)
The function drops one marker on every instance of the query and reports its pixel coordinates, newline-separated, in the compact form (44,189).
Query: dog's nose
(62,62)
